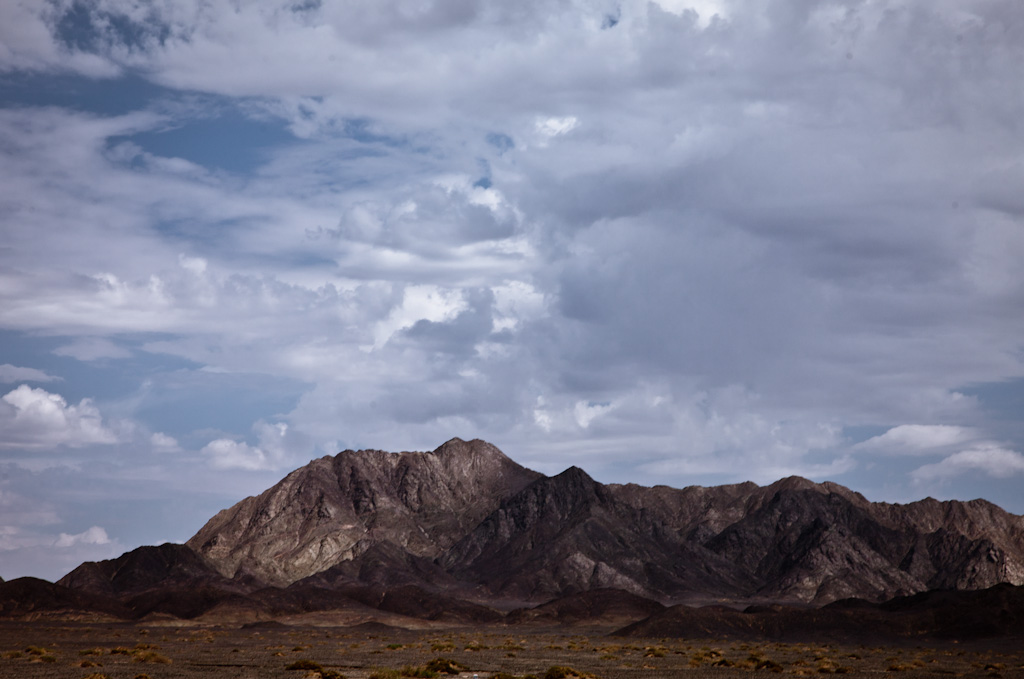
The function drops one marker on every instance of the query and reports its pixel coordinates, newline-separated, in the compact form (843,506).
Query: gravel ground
(73,651)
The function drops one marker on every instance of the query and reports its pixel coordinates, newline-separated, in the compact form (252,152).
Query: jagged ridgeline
(463,533)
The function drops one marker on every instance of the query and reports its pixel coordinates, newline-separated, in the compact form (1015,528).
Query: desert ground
(115,651)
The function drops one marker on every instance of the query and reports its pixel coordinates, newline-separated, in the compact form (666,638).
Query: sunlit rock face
(335,509)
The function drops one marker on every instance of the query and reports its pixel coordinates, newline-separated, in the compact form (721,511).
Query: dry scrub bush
(304,665)
(445,666)
(151,656)
(563,672)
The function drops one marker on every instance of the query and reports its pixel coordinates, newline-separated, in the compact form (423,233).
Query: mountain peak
(336,509)
(794,483)
(576,474)
(476,448)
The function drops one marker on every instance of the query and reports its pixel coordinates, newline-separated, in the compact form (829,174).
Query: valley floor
(107,651)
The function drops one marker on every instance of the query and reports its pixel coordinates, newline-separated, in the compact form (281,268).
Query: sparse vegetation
(151,656)
(78,653)
(563,672)
(445,666)
(304,665)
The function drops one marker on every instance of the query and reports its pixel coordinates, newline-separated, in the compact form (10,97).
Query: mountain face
(464,527)
(336,509)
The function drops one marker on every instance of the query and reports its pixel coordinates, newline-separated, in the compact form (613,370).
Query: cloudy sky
(668,241)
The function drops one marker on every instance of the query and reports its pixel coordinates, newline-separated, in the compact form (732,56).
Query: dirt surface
(73,651)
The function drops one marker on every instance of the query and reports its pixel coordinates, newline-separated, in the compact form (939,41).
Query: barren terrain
(76,651)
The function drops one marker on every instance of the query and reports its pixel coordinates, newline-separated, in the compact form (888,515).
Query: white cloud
(278,446)
(549,128)
(11,373)
(91,536)
(27,43)
(35,419)
(517,302)
(162,443)
(229,454)
(918,439)
(585,413)
(92,348)
(419,303)
(991,459)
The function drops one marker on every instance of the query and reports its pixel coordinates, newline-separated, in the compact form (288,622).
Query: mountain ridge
(464,530)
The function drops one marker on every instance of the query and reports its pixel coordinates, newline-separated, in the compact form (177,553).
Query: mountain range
(464,534)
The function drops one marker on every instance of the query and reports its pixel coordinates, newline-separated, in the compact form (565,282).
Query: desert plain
(64,650)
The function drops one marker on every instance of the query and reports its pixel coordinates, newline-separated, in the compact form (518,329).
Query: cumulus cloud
(419,303)
(279,446)
(991,459)
(162,443)
(12,373)
(91,536)
(36,419)
(230,454)
(918,439)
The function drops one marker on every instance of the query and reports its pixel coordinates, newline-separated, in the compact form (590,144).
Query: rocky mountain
(336,509)
(464,533)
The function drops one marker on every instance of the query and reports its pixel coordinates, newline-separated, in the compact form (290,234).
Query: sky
(670,242)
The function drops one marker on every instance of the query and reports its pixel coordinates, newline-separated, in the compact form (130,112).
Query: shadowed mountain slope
(166,566)
(34,598)
(942,614)
(594,607)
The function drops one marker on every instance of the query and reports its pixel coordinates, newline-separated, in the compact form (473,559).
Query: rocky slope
(464,523)
(336,509)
